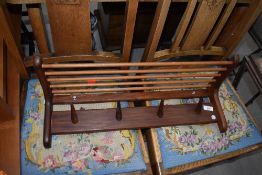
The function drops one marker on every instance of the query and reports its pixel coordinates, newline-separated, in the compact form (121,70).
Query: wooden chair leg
(74,117)
(118,111)
(47,137)
(160,111)
(199,105)
(218,111)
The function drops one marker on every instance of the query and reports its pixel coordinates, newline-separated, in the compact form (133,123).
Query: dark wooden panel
(139,117)
(95,98)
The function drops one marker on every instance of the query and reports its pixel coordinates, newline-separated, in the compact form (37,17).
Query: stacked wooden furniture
(79,78)
(72,40)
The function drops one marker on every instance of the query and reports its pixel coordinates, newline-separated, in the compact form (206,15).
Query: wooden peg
(199,105)
(118,111)
(160,111)
(74,117)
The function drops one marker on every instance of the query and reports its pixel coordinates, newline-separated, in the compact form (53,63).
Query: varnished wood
(167,53)
(130,20)
(6,112)
(70,27)
(203,22)
(183,24)
(118,111)
(160,111)
(134,96)
(129,77)
(3,65)
(43,1)
(37,23)
(103,90)
(199,105)
(10,39)
(156,29)
(49,73)
(131,118)
(169,82)
(74,118)
(221,23)
(134,64)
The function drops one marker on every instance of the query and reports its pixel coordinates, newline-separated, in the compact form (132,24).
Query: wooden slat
(137,64)
(131,83)
(43,1)
(35,17)
(129,89)
(132,71)
(3,65)
(167,53)
(156,29)
(127,96)
(221,23)
(181,29)
(9,31)
(131,118)
(97,56)
(70,79)
(203,22)
(130,20)
(70,27)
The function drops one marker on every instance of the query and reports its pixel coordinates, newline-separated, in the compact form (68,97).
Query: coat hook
(74,117)
(118,111)
(160,111)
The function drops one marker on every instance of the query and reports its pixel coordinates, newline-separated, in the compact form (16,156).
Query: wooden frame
(74,83)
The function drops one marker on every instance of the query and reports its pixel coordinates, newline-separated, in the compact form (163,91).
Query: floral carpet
(185,144)
(96,153)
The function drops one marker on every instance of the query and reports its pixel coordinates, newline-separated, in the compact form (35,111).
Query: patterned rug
(96,153)
(180,145)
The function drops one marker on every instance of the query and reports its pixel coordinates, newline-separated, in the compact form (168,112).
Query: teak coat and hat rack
(97,77)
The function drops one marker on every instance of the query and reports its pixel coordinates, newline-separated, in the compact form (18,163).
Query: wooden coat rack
(76,74)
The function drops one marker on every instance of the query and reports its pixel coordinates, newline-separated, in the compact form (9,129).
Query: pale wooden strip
(164,54)
(132,71)
(221,23)
(130,89)
(156,29)
(35,17)
(180,32)
(147,64)
(70,27)
(202,24)
(132,83)
(130,20)
(69,79)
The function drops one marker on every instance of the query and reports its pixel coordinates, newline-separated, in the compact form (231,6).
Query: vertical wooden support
(70,26)
(202,24)
(47,137)
(156,29)
(35,17)
(118,111)
(199,105)
(3,66)
(130,20)
(180,32)
(9,31)
(221,23)
(74,117)
(160,111)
